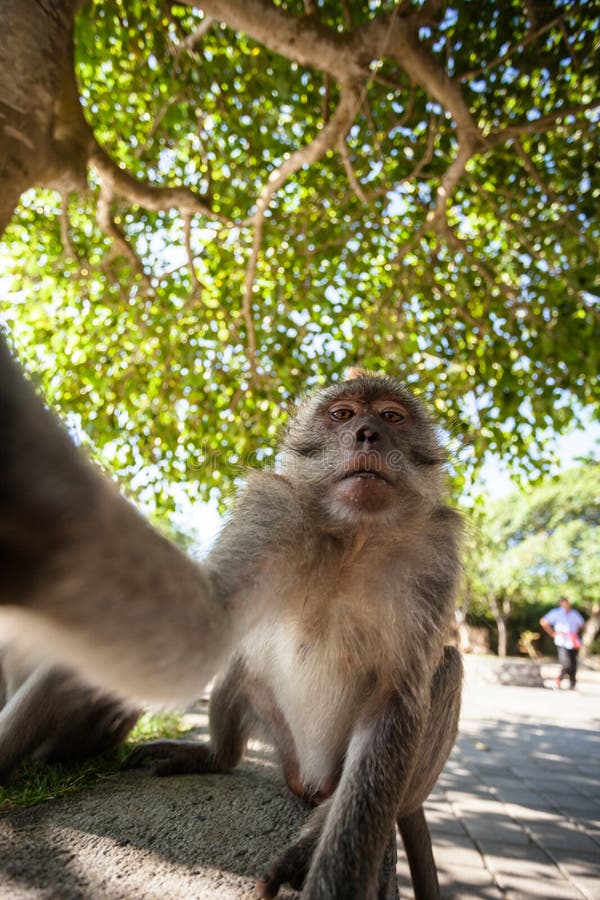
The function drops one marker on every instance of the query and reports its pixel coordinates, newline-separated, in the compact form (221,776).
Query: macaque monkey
(332,586)
(350,558)
(48,713)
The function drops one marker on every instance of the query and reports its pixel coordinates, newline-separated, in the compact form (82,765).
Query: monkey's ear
(356,372)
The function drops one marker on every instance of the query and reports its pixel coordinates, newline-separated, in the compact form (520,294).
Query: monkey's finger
(175,766)
(141,756)
(290,868)
(150,751)
(265,889)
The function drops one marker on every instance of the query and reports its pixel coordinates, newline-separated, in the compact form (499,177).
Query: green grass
(35,782)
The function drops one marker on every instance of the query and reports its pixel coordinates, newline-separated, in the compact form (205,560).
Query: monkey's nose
(367,435)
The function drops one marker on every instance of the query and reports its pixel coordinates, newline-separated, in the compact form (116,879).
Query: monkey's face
(364,436)
(368,447)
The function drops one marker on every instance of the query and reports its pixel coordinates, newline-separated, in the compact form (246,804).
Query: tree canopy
(534,545)
(238,198)
(546,538)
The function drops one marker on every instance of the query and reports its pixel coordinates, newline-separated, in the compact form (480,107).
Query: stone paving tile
(462,873)
(445,825)
(585,782)
(496,828)
(530,808)
(466,803)
(567,784)
(575,806)
(578,864)
(460,786)
(564,837)
(591,827)
(525,860)
(516,888)
(463,891)
(502,782)
(590,887)
(531,814)
(455,852)
(475,881)
(587,884)
(525,799)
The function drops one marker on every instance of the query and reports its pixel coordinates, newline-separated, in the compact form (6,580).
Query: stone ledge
(513,670)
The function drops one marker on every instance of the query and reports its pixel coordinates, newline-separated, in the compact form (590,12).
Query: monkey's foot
(290,868)
(173,758)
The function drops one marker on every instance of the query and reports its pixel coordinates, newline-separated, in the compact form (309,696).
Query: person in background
(563,624)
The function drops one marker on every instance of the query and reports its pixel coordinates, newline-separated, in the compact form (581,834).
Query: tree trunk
(590,630)
(501,611)
(35,46)
(502,642)
(462,628)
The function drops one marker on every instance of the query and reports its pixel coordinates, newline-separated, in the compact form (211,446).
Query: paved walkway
(516,814)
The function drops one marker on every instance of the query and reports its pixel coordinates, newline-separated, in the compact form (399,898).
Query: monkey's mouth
(366,474)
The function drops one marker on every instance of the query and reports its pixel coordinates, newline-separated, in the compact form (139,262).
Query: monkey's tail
(417,844)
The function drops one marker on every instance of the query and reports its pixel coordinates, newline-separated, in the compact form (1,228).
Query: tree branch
(149,196)
(540,125)
(65,235)
(187,233)
(528,39)
(427,154)
(351,175)
(141,148)
(531,169)
(193,38)
(121,245)
(565,34)
(330,135)
(450,179)
(74,146)
(301,39)
(420,65)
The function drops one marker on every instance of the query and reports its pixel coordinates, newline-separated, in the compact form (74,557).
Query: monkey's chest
(316,697)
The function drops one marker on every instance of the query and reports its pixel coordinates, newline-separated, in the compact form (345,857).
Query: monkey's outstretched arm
(83,573)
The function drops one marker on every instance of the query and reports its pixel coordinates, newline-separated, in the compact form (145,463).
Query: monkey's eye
(341,413)
(392,415)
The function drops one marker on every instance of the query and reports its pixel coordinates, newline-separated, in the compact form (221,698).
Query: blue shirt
(566,624)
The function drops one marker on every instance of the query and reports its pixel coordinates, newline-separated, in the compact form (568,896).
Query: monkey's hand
(292,866)
(169,757)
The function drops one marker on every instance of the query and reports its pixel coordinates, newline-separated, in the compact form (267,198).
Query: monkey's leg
(53,716)
(388,881)
(230,720)
(440,733)
(90,723)
(379,762)
(293,864)
(351,844)
(419,853)
(24,720)
(440,730)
